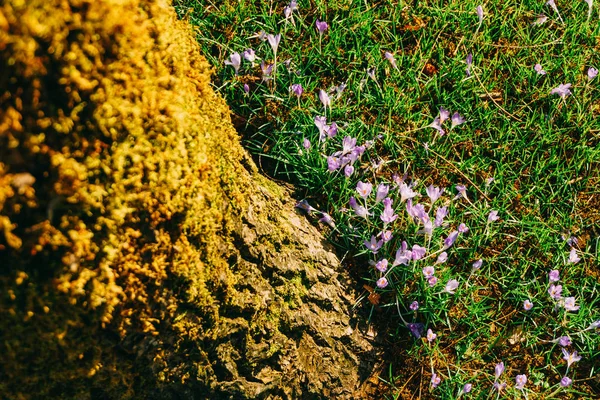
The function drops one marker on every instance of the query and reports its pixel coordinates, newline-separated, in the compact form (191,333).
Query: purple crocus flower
(348,144)
(388,216)
(249,55)
(374,245)
(430,335)
(406,192)
(246,88)
(442,258)
(386,236)
(364,189)
(427,226)
(564,341)
(566,381)
(428,271)
(434,193)
(570,358)
(321,123)
(387,202)
(266,69)
(467,388)
(303,205)
(499,386)
(348,171)
(403,255)
(416,329)
(554,275)
(572,241)
(593,325)
(332,130)
(554,291)
(477,264)
(451,286)
(274,41)
(457,120)
(462,228)
(399,179)
(541,19)
(333,163)
(414,305)
(306,144)
(358,209)
(321,26)
(538,68)
(462,191)
(499,369)
(562,90)
(592,73)
(235,60)
(443,115)
(432,281)
(391,59)
(527,305)
(417,211)
(437,125)
(493,216)
(290,8)
(569,304)
(346,159)
(382,192)
(382,265)
(324,98)
(469,61)
(449,241)
(480,14)
(326,219)
(435,380)
(358,151)
(418,252)
(520,381)
(382,282)
(573,257)
(440,214)
(297,89)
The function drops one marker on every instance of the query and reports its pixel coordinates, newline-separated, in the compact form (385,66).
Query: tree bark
(142,254)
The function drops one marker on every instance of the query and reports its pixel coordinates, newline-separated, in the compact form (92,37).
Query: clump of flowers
(443,115)
(418,238)
(562,90)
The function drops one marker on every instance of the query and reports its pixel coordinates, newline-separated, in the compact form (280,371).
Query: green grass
(541,151)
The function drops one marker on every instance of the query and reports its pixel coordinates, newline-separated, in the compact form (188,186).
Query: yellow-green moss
(118,166)
(293,292)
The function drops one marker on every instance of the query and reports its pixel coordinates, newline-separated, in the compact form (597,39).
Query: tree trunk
(142,255)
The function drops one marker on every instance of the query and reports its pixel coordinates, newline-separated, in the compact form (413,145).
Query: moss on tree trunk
(141,254)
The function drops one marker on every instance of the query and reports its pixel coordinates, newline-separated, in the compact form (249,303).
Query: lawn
(450,150)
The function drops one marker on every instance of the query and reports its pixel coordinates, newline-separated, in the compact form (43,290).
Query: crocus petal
(480,13)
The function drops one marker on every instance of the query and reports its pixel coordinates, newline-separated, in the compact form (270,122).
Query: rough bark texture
(141,254)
